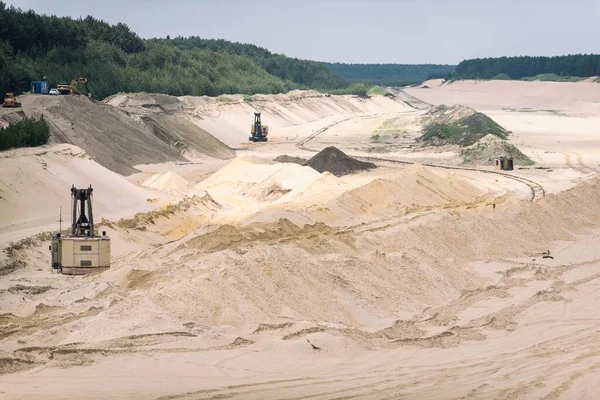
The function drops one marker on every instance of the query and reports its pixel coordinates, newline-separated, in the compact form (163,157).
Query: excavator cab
(258,130)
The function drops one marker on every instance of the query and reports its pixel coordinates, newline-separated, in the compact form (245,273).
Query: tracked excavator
(71,88)
(258,131)
(82,251)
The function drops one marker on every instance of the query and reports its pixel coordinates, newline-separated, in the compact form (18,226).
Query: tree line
(580,65)
(115,59)
(390,74)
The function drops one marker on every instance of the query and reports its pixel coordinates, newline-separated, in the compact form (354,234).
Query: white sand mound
(169,181)
(256,179)
(415,187)
(324,187)
(257,170)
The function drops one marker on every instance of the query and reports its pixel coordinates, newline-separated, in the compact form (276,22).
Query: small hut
(504,163)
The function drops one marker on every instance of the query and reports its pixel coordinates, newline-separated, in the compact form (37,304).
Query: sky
(360,31)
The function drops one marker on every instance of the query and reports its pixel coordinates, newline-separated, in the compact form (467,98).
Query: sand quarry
(237,276)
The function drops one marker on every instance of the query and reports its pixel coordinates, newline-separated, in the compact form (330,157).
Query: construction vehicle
(71,88)
(10,101)
(82,251)
(258,130)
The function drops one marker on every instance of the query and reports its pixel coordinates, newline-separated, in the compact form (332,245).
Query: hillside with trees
(115,59)
(390,74)
(577,65)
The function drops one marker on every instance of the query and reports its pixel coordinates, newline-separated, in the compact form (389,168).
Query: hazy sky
(360,31)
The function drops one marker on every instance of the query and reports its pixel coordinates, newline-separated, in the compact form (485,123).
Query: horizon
(346,36)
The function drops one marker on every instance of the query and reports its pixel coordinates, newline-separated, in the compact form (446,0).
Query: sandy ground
(555,124)
(271,280)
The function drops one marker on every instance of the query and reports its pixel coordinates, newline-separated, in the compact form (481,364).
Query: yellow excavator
(258,131)
(10,101)
(71,88)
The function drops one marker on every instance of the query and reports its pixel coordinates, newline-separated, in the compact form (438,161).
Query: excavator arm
(72,87)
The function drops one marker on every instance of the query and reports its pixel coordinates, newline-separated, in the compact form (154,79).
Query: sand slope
(118,142)
(37,181)
(228,118)
(575,97)
(391,298)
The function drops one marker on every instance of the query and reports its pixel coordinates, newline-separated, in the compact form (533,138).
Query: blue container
(40,87)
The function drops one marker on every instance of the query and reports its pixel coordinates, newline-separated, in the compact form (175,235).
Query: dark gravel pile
(335,161)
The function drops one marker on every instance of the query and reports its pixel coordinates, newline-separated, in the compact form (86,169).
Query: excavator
(10,101)
(83,250)
(71,88)
(258,130)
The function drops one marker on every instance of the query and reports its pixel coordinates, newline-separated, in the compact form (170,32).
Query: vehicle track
(580,166)
(412,101)
(537,190)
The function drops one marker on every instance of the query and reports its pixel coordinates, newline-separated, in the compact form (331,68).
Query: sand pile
(290,159)
(151,102)
(117,141)
(169,181)
(226,275)
(189,139)
(172,218)
(458,125)
(413,189)
(486,149)
(333,160)
(268,190)
(256,178)
(444,114)
(323,188)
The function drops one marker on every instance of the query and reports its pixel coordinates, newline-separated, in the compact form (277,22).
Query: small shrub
(359,89)
(27,132)
(377,90)
(225,99)
(554,78)
(501,77)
